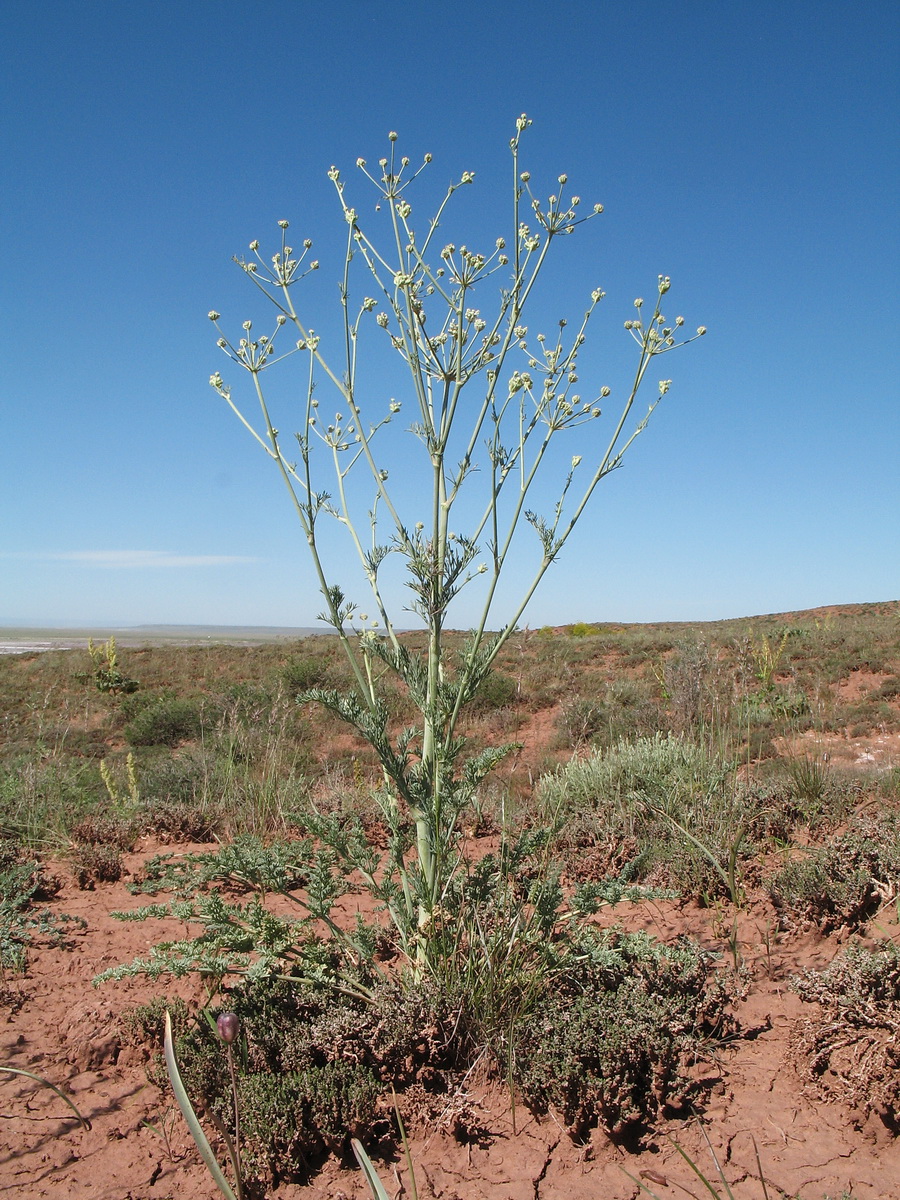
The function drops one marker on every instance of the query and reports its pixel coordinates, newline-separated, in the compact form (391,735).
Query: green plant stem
(237,1117)
(187,1111)
(85,1123)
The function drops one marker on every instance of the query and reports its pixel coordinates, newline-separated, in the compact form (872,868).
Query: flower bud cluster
(518,381)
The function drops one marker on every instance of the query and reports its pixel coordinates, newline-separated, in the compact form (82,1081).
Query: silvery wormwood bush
(488,398)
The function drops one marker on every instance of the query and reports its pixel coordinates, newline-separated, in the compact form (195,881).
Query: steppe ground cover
(712,762)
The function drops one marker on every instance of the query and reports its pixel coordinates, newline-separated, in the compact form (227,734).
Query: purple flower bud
(228,1025)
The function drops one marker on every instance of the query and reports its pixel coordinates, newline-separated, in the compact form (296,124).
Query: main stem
(428,824)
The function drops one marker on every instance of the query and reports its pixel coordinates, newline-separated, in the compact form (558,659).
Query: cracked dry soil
(60,1026)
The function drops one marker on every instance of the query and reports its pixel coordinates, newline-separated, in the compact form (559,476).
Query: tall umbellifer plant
(488,400)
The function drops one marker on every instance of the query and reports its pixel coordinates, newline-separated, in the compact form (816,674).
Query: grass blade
(414,1191)
(193,1122)
(46,1083)
(376,1187)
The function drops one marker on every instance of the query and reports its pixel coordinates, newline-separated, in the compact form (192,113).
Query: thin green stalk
(187,1111)
(85,1123)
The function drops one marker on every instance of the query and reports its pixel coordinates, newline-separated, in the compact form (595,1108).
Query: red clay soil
(71,1033)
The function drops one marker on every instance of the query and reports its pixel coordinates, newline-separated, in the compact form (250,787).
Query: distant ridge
(16,637)
(25,639)
(257,632)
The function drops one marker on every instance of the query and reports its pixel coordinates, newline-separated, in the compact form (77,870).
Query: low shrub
(117,830)
(145,1022)
(513,977)
(23,881)
(301,674)
(496,691)
(582,629)
(580,720)
(608,1043)
(613,1040)
(287,1119)
(165,720)
(96,862)
(181,777)
(852,1047)
(183,796)
(843,883)
(316,1064)
(624,712)
(673,799)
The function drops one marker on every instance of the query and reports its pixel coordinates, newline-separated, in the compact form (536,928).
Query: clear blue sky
(748,150)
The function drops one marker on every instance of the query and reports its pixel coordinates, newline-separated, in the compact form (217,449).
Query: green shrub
(582,629)
(288,1118)
(301,674)
(145,1022)
(672,798)
(22,882)
(613,1042)
(177,778)
(165,720)
(843,883)
(316,1064)
(495,691)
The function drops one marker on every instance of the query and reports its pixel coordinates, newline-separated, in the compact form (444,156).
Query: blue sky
(749,151)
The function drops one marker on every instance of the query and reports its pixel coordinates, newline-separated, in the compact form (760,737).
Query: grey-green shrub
(666,793)
(844,882)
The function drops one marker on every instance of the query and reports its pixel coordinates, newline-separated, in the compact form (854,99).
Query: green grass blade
(414,1191)
(703,1179)
(46,1083)
(187,1111)
(376,1187)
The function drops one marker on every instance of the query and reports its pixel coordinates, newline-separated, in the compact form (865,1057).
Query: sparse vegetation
(23,885)
(640,783)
